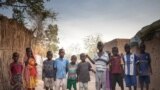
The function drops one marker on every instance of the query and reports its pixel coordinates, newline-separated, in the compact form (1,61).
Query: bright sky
(110,18)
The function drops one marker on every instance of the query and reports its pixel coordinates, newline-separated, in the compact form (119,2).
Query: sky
(112,19)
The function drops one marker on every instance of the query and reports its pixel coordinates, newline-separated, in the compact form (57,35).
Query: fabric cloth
(30,73)
(49,83)
(61,66)
(101,62)
(83,86)
(143,61)
(130,80)
(48,69)
(83,71)
(61,83)
(116,64)
(130,61)
(70,83)
(117,78)
(144,79)
(72,71)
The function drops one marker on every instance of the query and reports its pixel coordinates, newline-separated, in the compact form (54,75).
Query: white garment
(83,86)
(130,64)
(49,82)
(61,83)
(100,62)
(101,80)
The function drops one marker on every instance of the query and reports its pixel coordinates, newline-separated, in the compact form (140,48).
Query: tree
(91,43)
(26,8)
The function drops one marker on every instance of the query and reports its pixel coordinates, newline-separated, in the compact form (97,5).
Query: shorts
(130,80)
(70,83)
(49,82)
(116,78)
(144,79)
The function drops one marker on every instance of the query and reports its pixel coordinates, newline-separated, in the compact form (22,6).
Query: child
(30,73)
(144,67)
(48,72)
(16,69)
(83,72)
(61,69)
(102,70)
(116,69)
(72,73)
(130,68)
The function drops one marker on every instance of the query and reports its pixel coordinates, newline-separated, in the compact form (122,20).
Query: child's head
(127,48)
(49,55)
(115,51)
(142,47)
(83,57)
(15,56)
(29,52)
(61,53)
(100,46)
(73,58)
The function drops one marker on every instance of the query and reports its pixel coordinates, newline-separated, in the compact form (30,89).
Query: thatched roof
(4,18)
(146,33)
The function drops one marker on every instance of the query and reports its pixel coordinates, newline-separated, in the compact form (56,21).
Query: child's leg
(147,82)
(80,86)
(58,84)
(113,81)
(63,84)
(104,79)
(69,84)
(98,82)
(120,81)
(86,86)
(141,81)
(74,84)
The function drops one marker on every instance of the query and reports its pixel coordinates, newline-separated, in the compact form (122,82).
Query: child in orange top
(30,70)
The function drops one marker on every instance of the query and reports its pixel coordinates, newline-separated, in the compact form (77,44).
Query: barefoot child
(130,61)
(144,67)
(116,69)
(48,72)
(16,69)
(83,72)
(72,73)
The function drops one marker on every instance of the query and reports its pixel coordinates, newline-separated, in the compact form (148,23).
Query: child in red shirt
(116,69)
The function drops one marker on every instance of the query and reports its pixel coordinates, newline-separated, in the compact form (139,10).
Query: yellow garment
(32,82)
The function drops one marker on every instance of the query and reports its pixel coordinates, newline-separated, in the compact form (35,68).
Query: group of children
(110,69)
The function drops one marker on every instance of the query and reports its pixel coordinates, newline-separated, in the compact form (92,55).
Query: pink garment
(16,68)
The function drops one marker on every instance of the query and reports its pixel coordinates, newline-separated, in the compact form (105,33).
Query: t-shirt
(72,71)
(130,64)
(61,66)
(116,64)
(83,71)
(143,61)
(101,62)
(48,69)
(16,68)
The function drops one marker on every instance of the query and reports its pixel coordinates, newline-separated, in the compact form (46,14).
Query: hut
(14,37)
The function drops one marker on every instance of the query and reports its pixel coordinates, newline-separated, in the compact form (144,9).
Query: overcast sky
(110,18)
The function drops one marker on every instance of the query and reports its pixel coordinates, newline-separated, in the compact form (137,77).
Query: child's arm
(93,70)
(90,59)
(43,72)
(150,67)
(78,73)
(55,70)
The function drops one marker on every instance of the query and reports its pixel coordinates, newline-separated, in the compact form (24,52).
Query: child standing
(16,69)
(48,72)
(116,69)
(30,73)
(101,59)
(72,73)
(144,67)
(130,61)
(61,69)
(83,72)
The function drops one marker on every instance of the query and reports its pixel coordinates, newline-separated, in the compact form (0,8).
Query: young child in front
(48,72)
(83,72)
(16,69)
(116,69)
(72,73)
